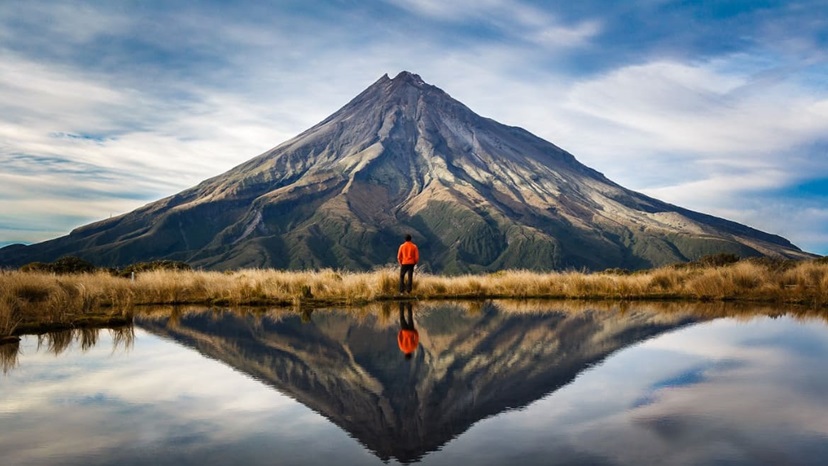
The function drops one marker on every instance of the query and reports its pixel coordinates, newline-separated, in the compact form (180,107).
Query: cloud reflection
(714,396)
(154,396)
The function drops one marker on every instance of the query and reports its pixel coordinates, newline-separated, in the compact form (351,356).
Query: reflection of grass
(56,342)
(86,338)
(8,355)
(49,301)
(428,314)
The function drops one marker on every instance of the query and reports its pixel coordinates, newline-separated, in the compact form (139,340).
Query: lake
(486,384)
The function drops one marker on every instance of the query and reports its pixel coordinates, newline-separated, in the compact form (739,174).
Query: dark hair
(408,237)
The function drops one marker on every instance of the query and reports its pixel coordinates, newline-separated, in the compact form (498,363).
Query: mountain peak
(402,81)
(410,78)
(404,87)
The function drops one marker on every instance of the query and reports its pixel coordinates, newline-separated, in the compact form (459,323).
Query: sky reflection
(156,403)
(722,391)
(727,390)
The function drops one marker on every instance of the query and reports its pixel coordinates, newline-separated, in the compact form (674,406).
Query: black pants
(406,269)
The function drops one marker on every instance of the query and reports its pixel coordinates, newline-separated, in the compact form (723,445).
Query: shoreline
(100,319)
(36,300)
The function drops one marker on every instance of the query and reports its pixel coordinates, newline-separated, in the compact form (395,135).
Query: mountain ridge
(402,157)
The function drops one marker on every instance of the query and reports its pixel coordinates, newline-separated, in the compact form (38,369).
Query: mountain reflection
(468,363)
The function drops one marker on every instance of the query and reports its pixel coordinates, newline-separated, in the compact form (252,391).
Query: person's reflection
(407,338)
(306,315)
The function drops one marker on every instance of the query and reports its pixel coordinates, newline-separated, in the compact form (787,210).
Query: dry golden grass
(27,297)
(55,301)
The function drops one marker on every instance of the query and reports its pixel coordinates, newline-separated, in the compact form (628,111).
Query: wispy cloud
(499,21)
(704,136)
(683,107)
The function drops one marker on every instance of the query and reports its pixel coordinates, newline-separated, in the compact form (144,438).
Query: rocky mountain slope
(404,157)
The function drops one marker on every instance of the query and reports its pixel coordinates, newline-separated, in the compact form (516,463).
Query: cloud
(683,107)
(704,137)
(77,148)
(73,24)
(509,20)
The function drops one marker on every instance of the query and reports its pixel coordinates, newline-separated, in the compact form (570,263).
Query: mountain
(404,157)
(469,365)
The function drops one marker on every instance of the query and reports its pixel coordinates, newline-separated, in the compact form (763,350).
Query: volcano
(403,157)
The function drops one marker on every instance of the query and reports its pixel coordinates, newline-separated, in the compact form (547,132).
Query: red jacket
(408,340)
(408,254)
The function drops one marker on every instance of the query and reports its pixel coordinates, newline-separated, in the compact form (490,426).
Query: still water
(487,384)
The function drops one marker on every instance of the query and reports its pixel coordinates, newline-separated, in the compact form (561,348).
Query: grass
(38,300)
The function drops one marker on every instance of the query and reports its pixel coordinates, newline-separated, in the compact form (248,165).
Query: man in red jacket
(408,255)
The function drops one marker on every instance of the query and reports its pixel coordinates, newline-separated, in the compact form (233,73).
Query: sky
(716,106)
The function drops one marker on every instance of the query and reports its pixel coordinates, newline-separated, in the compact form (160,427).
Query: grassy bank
(35,298)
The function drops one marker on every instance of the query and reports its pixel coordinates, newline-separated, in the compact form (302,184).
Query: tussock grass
(36,297)
(50,302)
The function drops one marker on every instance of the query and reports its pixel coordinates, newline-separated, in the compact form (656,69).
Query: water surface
(489,384)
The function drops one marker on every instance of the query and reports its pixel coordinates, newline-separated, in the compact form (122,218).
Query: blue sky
(720,107)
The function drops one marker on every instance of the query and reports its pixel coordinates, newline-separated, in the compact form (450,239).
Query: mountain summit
(405,157)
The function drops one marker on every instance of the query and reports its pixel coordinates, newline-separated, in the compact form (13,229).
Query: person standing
(408,255)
